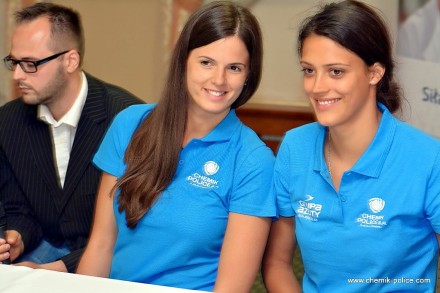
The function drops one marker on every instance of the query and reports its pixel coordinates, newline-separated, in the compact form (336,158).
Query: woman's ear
(377,70)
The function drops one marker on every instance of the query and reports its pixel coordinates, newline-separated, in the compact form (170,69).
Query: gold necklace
(329,163)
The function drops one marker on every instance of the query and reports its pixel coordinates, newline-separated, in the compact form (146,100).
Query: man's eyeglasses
(26,65)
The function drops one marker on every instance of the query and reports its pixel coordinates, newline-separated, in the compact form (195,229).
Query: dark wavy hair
(360,29)
(154,149)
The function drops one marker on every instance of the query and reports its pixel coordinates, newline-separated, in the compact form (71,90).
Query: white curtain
(418,47)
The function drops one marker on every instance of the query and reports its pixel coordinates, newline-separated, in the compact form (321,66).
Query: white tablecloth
(16,279)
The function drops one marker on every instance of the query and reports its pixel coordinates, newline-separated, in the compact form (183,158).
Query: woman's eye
(307,71)
(205,62)
(336,72)
(235,68)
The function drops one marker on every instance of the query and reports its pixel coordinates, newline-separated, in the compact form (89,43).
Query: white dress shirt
(63,131)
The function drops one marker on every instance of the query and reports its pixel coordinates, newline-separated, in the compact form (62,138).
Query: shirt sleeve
(432,207)
(281,180)
(251,193)
(110,155)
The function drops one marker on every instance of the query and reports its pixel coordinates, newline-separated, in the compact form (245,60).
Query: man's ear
(73,60)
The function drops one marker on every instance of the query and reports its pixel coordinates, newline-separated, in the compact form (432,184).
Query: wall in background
(7,9)
(127,43)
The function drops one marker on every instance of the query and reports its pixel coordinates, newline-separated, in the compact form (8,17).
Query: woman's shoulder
(134,113)
(129,119)
(137,110)
(249,143)
(416,138)
(304,132)
(301,141)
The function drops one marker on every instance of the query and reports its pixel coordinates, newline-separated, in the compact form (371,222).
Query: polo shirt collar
(224,130)
(372,161)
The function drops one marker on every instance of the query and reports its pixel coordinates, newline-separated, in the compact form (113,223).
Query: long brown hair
(154,149)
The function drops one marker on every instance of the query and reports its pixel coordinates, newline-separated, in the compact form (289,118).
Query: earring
(373,82)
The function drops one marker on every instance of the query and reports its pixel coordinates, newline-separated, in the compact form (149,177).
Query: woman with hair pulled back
(358,190)
(185,197)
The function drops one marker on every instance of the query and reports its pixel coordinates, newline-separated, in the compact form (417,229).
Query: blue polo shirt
(178,242)
(377,234)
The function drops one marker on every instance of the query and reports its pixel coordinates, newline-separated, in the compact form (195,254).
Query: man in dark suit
(48,137)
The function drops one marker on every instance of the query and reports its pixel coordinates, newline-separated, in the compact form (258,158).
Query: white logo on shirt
(308,210)
(309,197)
(376,205)
(209,168)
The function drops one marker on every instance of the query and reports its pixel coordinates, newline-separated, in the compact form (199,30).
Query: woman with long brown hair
(189,202)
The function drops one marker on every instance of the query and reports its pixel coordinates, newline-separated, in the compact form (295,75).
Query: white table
(17,279)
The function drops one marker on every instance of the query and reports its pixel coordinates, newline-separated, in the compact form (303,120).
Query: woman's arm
(277,268)
(241,254)
(98,254)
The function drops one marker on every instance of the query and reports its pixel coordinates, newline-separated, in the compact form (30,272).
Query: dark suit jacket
(35,204)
